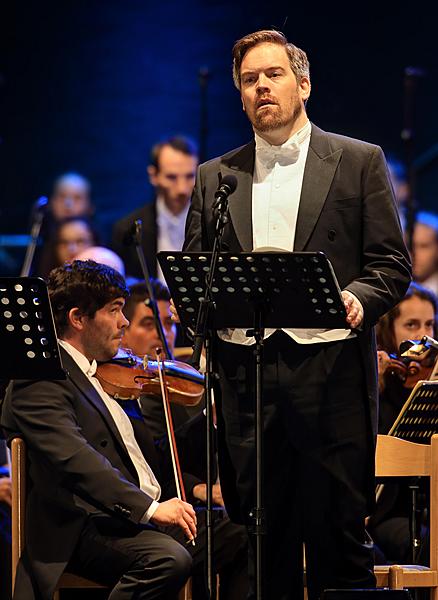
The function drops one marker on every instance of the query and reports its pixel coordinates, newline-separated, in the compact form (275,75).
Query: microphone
(40,205)
(226,187)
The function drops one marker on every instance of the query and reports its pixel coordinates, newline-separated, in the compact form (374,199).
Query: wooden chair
(67,580)
(399,458)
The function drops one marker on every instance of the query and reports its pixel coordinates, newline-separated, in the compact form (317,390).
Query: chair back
(18,476)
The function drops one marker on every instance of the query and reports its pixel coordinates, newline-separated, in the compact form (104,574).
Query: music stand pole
(203,336)
(258,512)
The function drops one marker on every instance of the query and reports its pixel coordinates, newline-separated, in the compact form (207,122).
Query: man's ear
(76,319)
(304,88)
(243,105)
(152,172)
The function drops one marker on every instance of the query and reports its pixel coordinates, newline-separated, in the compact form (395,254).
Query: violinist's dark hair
(385,326)
(139,293)
(181,143)
(83,284)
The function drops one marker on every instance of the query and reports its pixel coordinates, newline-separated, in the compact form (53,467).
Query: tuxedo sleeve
(386,269)
(44,414)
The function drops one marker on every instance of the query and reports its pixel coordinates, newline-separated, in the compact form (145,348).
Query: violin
(408,372)
(416,362)
(127,377)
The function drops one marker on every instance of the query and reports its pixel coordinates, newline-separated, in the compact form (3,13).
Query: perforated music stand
(296,289)
(418,419)
(27,330)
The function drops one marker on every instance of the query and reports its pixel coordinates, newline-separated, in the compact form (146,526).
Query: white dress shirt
(148,482)
(171,230)
(276,191)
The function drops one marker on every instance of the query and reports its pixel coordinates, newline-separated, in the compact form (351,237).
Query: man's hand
(174,317)
(354,309)
(6,490)
(176,512)
(200,492)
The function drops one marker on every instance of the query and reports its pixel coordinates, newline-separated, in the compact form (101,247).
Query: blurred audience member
(172,172)
(425,251)
(70,197)
(104,256)
(66,240)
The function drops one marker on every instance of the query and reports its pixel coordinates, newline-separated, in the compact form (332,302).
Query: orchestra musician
(94,503)
(411,319)
(301,188)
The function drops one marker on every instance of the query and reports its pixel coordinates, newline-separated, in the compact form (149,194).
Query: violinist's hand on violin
(383,362)
(200,492)
(354,309)
(174,317)
(176,512)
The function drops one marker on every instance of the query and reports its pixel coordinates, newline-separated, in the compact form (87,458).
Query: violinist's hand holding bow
(176,512)
(354,309)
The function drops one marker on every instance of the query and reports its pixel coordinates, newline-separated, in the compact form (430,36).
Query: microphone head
(41,203)
(230,181)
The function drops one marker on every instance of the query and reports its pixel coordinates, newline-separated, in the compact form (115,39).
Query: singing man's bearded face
(271,96)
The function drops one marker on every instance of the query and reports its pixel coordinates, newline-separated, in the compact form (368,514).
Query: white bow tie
(284,155)
(92,370)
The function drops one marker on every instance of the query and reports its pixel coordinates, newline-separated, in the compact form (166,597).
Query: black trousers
(140,563)
(147,563)
(318,453)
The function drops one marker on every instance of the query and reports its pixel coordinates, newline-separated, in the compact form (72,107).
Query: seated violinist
(230,541)
(94,503)
(410,319)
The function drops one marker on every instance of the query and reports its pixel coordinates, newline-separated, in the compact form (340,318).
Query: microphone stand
(37,221)
(412,76)
(204,74)
(203,336)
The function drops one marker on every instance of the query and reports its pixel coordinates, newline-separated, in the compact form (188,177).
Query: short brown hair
(297,58)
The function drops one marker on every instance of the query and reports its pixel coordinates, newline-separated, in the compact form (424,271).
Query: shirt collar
(82,361)
(297,138)
(163,211)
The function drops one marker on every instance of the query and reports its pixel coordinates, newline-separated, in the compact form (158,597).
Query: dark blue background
(90,86)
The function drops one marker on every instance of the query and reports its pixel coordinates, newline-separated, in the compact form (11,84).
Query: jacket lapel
(241,165)
(319,171)
(87,389)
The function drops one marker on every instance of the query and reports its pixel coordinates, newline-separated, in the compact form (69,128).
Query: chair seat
(70,580)
(408,575)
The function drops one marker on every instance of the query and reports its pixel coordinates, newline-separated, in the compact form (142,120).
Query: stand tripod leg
(257,515)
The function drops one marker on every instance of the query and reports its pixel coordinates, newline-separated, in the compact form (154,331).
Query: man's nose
(184,187)
(263,83)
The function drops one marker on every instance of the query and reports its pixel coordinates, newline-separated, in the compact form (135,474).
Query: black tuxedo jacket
(78,465)
(148,214)
(346,210)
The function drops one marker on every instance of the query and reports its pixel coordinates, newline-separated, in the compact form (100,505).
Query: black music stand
(254,291)
(27,330)
(295,289)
